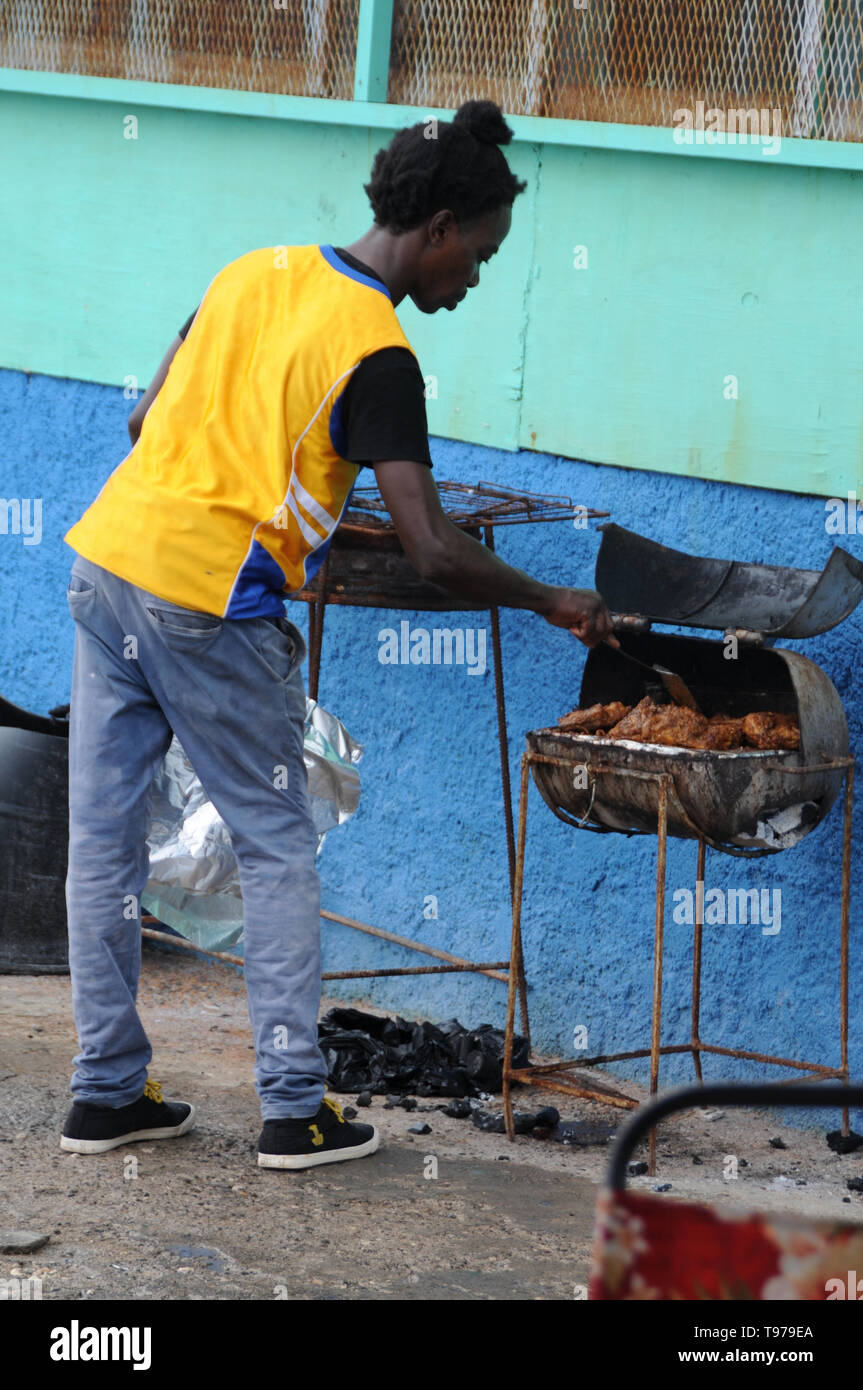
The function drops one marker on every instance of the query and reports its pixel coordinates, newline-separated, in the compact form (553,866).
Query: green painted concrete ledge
(824,154)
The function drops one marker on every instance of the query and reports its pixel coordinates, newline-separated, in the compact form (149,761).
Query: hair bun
(484,120)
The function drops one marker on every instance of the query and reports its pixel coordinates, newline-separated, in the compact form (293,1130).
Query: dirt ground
(196,1218)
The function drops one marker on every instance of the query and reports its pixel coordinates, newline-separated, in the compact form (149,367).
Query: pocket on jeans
(79,590)
(281,645)
(184,623)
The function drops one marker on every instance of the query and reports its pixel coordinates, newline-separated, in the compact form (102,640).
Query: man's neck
(392,257)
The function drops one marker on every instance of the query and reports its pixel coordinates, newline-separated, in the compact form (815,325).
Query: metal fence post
(373,50)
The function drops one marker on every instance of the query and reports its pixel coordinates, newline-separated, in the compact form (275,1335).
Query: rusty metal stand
(554,1076)
(455,964)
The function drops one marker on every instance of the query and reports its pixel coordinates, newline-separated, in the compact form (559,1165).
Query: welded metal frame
(553,1076)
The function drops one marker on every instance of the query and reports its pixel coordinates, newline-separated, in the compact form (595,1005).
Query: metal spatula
(674,684)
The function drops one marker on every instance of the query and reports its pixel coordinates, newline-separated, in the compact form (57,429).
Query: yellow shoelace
(335,1109)
(153,1091)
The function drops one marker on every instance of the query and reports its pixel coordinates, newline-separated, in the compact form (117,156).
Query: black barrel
(34,837)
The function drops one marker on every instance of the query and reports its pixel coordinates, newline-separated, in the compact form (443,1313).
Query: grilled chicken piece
(723,734)
(590,721)
(769,730)
(632,725)
(673,726)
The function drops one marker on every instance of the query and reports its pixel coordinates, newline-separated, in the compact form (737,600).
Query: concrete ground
(197,1219)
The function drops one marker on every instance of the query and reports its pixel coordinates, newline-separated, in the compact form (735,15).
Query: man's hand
(584,613)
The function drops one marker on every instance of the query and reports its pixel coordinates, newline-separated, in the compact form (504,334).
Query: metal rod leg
(500,701)
(515,955)
(696,960)
(503,742)
(843,944)
(316,632)
(656,1021)
(506,788)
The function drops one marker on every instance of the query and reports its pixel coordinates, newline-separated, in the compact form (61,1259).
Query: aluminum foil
(194,883)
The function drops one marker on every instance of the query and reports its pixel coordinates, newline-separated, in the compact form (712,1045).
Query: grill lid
(639,577)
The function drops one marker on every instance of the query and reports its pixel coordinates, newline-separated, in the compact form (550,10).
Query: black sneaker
(323,1138)
(93,1129)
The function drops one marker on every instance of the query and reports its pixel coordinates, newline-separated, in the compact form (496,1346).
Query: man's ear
(441,226)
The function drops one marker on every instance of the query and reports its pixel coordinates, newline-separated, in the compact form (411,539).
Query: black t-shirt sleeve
(181,332)
(384,410)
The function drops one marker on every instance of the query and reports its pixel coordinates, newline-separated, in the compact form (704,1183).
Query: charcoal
(421,1128)
(523,1123)
(495,1123)
(548,1117)
(349,1112)
(844,1143)
(364,1098)
(491,1123)
(636,1170)
(778,1143)
(393,1057)
(662,1187)
(855,1184)
(457,1109)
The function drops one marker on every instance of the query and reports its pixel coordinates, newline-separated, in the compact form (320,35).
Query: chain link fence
(305,47)
(637,61)
(627,61)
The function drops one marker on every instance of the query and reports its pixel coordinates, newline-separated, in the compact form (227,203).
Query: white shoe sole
(101,1146)
(295,1161)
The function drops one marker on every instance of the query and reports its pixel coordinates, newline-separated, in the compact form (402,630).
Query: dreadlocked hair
(453,164)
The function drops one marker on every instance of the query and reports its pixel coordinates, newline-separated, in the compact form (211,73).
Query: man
(293,373)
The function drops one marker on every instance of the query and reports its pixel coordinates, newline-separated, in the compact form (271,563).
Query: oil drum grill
(747,803)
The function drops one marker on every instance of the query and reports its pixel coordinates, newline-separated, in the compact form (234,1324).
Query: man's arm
(136,419)
(444,555)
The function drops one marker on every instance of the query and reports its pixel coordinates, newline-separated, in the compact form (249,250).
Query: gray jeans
(232,692)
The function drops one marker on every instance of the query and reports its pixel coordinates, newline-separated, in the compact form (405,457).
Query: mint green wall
(701,263)
(698,271)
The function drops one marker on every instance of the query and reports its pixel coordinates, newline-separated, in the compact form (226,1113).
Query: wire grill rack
(473,505)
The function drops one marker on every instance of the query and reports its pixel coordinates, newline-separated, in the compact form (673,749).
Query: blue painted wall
(430,819)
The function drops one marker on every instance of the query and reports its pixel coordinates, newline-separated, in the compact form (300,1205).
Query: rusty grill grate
(477,504)
(307,48)
(637,61)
